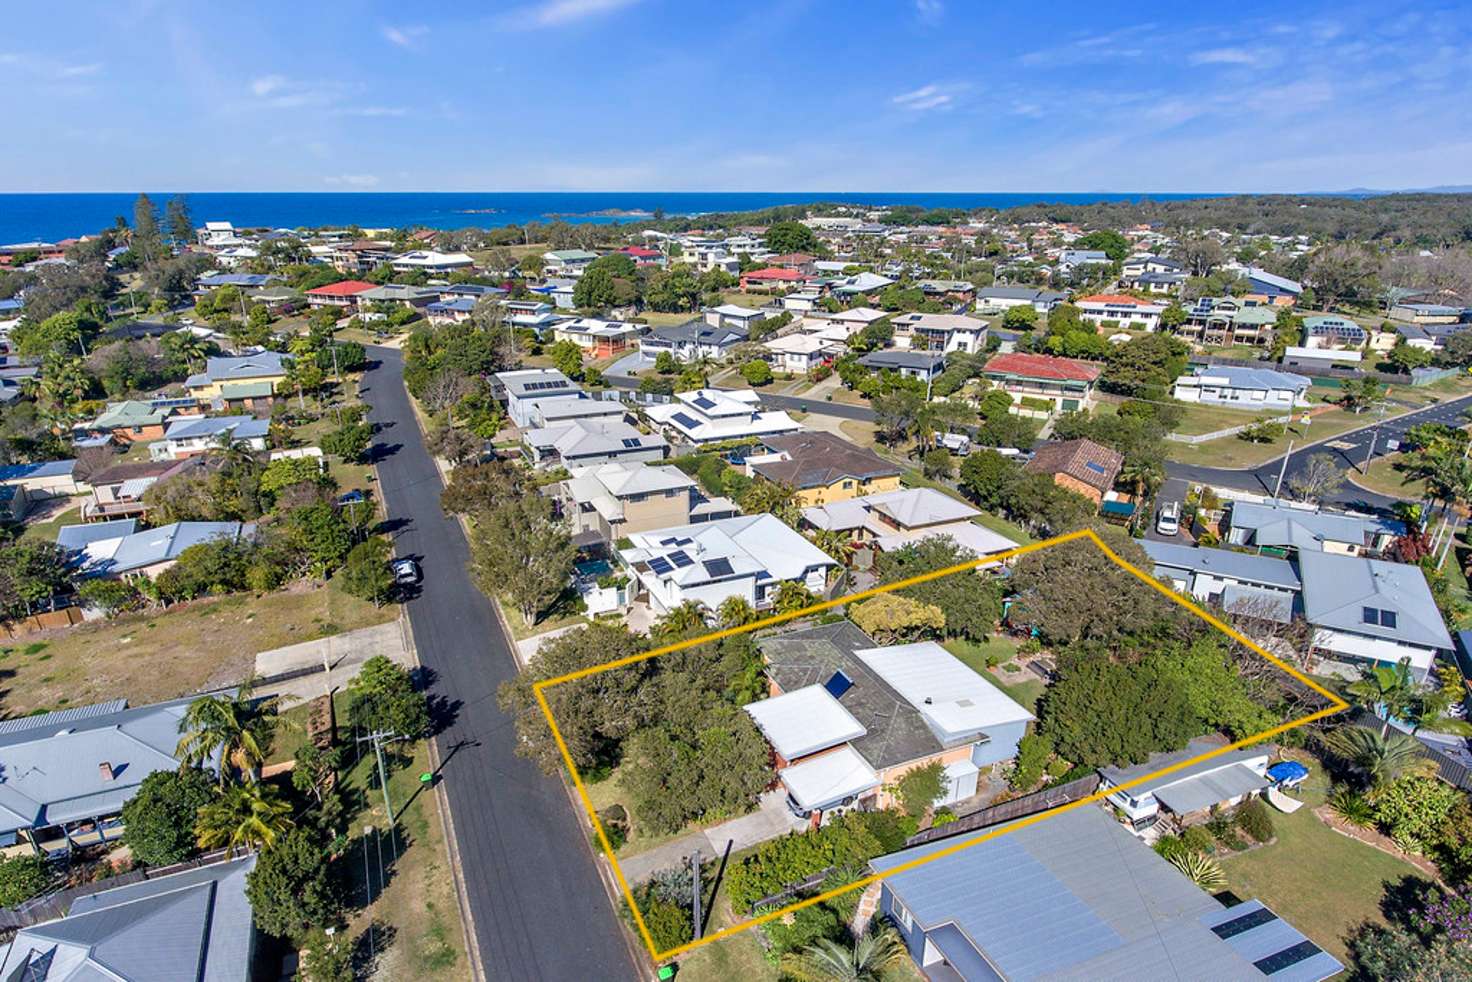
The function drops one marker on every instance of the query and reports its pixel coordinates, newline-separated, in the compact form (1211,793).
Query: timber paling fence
(1028,804)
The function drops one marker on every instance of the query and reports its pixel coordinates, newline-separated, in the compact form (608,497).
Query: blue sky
(905,95)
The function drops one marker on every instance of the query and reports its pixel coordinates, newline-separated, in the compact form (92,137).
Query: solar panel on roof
(1302,951)
(1248,921)
(630,442)
(718,567)
(680,559)
(838,683)
(704,403)
(684,421)
(668,542)
(1096,468)
(660,567)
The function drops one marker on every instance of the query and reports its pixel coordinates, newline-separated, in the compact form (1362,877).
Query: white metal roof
(804,721)
(954,699)
(829,779)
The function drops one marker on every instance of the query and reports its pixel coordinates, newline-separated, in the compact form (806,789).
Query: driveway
(538,905)
(1173,489)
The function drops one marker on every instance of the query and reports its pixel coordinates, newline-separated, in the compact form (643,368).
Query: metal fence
(1451,770)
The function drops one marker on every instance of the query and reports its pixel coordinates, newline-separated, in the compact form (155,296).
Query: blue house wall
(1002,746)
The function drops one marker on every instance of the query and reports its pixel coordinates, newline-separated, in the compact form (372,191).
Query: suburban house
(567,262)
(1268,288)
(149,552)
(216,235)
(561,409)
(117,491)
(249,380)
(948,291)
(1070,259)
(1226,321)
(134,420)
(1428,313)
(599,338)
(362,256)
(1324,360)
(860,285)
(431,262)
(194,924)
(586,441)
(924,365)
(1363,611)
(1139,265)
(1371,611)
(48,479)
(857,319)
(716,415)
(1110,311)
(748,556)
(1284,527)
(847,718)
(68,773)
(1333,331)
(691,341)
(614,500)
(343,295)
(188,436)
(770,278)
(452,311)
(1081,466)
(1243,388)
(1043,384)
(892,520)
(800,261)
(417,297)
(1078,897)
(823,467)
(939,332)
(1188,795)
(525,387)
(799,354)
(733,315)
(996,299)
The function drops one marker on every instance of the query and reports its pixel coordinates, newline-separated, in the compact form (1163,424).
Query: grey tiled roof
(896,731)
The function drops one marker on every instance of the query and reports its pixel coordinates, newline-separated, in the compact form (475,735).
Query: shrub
(112,597)
(757,373)
(1033,751)
(158,821)
(1197,839)
(852,840)
(21,878)
(1352,806)
(1253,818)
(919,787)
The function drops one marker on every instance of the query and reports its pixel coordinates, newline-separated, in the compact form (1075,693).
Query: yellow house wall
(808,497)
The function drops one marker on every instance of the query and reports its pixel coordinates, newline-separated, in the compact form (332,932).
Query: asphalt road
(539,907)
(1348,449)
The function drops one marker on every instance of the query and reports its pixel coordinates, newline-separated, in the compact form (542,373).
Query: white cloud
(1225,56)
(930,11)
(404,37)
(267,84)
(556,13)
(923,98)
(375,111)
(51,69)
(353,180)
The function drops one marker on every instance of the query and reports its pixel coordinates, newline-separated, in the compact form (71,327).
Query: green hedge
(779,864)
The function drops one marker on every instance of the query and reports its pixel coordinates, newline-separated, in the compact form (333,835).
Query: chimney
(105,769)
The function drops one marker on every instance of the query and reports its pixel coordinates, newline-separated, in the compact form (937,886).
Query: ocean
(49,217)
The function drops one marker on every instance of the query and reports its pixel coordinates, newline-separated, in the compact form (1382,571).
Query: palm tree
(683,621)
(1385,689)
(251,817)
(187,346)
(838,545)
(1379,758)
(735,612)
(237,728)
(828,961)
(1429,711)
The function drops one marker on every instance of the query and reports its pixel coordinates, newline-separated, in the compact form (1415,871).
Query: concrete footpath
(344,654)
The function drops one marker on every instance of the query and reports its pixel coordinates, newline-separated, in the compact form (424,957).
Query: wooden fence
(1028,804)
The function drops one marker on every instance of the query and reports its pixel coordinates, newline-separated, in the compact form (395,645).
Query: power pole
(1282,470)
(695,890)
(377,738)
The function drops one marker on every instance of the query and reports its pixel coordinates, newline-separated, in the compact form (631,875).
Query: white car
(406,572)
(1168,522)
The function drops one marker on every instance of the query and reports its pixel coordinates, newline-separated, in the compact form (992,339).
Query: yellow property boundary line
(1336,705)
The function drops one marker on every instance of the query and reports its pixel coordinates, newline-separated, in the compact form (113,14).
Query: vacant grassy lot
(416,918)
(1383,478)
(166,654)
(1232,451)
(1198,419)
(1290,875)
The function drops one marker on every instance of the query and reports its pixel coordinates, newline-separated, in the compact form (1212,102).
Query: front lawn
(149,657)
(1323,883)
(1383,478)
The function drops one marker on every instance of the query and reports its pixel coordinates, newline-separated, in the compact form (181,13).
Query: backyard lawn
(46,517)
(152,656)
(1022,686)
(1324,883)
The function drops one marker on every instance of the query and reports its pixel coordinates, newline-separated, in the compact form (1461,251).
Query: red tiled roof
(1043,367)
(1083,460)
(772,274)
(344,289)
(640,252)
(1115,298)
